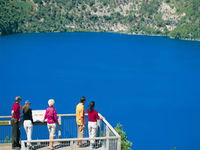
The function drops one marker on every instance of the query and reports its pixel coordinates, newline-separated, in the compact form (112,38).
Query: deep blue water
(148,84)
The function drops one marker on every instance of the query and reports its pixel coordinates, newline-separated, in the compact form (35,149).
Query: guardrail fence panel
(66,135)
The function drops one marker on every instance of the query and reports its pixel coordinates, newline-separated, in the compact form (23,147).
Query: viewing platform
(66,135)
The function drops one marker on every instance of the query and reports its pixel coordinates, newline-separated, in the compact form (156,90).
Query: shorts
(52,129)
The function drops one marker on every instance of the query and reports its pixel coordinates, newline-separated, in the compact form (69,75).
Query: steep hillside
(175,18)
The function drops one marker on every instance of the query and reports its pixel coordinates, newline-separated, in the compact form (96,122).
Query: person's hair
(51,102)
(83,99)
(18,98)
(26,107)
(91,106)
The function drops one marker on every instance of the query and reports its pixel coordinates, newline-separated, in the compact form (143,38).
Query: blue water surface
(148,84)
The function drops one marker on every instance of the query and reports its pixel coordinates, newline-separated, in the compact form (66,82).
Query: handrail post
(23,145)
(59,127)
(71,144)
(98,128)
(107,140)
(119,143)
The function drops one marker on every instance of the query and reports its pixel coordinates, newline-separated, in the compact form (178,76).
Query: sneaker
(18,145)
(91,146)
(29,147)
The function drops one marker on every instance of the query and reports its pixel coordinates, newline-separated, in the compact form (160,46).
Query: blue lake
(148,84)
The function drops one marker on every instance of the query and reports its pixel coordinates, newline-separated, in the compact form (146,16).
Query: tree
(9,21)
(91,2)
(125,144)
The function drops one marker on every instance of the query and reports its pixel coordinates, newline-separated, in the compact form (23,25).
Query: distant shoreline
(83,30)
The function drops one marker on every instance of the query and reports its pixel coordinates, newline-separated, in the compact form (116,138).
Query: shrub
(125,144)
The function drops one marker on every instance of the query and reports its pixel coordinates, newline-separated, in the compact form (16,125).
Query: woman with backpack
(52,119)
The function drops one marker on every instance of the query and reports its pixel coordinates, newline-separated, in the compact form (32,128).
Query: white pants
(92,128)
(28,126)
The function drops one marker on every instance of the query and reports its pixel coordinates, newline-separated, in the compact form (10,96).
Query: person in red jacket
(92,122)
(52,120)
(15,122)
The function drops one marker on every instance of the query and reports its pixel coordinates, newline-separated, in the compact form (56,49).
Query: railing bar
(2,117)
(72,139)
(109,126)
(67,115)
(62,115)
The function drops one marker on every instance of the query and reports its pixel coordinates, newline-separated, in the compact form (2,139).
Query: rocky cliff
(175,18)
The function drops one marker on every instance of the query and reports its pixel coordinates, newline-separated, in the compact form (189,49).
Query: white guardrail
(66,139)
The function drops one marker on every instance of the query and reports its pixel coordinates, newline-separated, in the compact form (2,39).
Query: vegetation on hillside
(125,144)
(175,18)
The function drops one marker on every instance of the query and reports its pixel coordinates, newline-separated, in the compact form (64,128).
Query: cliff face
(175,18)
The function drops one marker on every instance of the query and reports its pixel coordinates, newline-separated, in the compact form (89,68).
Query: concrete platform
(57,147)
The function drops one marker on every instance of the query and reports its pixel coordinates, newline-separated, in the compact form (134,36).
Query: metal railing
(107,138)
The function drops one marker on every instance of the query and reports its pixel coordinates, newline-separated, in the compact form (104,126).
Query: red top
(93,116)
(51,115)
(16,109)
